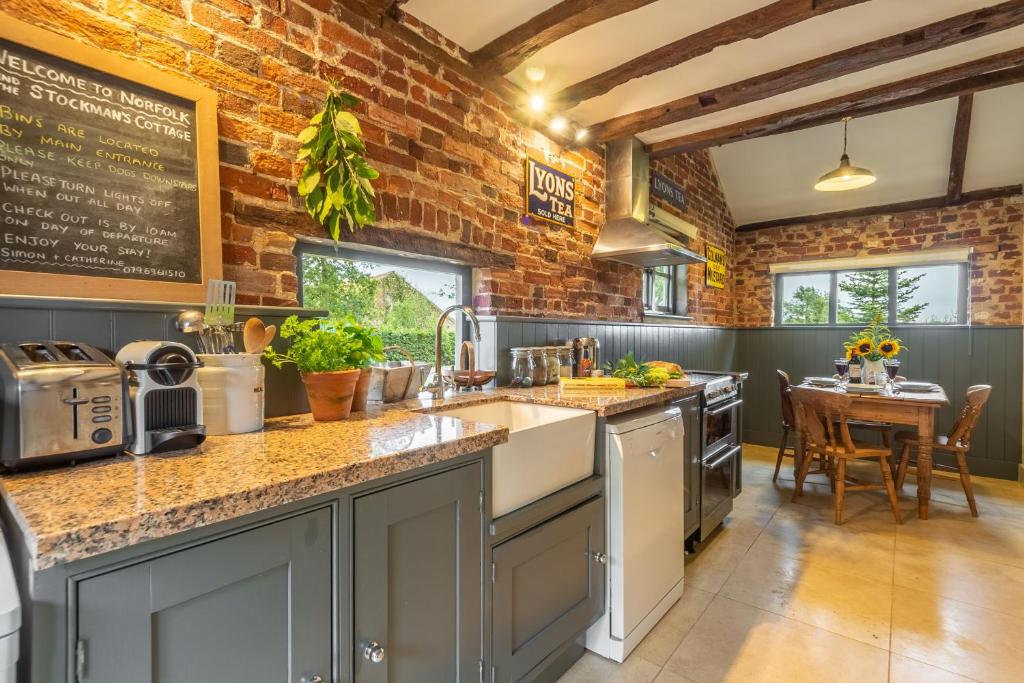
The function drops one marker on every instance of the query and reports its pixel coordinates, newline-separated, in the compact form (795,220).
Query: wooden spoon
(253,335)
(268,336)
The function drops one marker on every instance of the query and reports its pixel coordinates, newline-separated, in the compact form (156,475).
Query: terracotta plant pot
(362,390)
(330,393)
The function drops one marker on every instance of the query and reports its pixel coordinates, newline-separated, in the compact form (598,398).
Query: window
(664,290)
(929,294)
(400,296)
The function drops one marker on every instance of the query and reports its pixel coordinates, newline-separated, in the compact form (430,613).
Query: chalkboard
(99,174)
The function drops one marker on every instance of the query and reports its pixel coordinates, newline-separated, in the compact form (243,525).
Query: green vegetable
(336,180)
(327,345)
(640,374)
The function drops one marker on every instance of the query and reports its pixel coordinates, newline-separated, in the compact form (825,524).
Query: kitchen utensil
(268,336)
(220,302)
(165,395)
(60,402)
(190,321)
(253,335)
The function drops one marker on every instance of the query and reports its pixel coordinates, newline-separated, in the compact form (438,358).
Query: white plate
(854,388)
(821,381)
(917,387)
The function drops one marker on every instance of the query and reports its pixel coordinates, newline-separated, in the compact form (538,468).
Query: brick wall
(451,153)
(707,210)
(993,227)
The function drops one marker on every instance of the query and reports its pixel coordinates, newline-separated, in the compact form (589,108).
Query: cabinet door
(548,589)
(418,580)
(691,477)
(255,606)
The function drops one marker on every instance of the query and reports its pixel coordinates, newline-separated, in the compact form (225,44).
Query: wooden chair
(957,442)
(821,419)
(789,425)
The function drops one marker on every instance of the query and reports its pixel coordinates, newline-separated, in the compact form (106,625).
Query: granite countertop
(72,513)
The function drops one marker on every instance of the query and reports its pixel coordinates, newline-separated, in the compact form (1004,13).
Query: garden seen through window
(934,294)
(402,302)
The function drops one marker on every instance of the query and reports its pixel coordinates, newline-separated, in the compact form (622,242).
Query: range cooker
(720,452)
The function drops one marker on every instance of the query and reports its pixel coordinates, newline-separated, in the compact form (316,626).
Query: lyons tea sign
(550,194)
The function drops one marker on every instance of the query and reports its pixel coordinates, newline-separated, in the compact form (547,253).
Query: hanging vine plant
(336,180)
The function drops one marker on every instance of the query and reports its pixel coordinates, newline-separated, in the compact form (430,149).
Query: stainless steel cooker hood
(634,231)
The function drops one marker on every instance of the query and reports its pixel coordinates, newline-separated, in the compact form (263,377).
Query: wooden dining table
(915,409)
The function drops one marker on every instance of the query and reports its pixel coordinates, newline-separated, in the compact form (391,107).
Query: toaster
(62,402)
(165,396)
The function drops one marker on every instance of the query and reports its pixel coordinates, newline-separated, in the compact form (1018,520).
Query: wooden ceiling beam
(1005,68)
(885,209)
(508,51)
(875,53)
(958,158)
(756,24)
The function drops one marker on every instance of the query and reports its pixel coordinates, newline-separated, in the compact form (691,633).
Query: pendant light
(846,177)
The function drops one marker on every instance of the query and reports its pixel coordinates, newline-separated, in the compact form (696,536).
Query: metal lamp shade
(846,177)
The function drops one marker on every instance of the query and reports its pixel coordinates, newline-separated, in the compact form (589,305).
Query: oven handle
(727,406)
(731,452)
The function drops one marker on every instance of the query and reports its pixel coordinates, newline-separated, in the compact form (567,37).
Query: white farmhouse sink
(548,449)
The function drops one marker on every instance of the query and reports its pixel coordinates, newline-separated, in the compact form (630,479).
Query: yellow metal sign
(714,269)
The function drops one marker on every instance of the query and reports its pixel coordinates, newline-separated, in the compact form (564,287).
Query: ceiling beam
(508,51)
(1005,68)
(756,24)
(884,209)
(939,34)
(958,159)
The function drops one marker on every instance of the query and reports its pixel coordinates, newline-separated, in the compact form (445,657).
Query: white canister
(232,392)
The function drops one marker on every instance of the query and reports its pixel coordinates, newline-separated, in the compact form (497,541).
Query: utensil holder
(233,392)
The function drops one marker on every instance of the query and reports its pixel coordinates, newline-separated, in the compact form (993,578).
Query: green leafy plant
(640,374)
(327,345)
(874,342)
(336,180)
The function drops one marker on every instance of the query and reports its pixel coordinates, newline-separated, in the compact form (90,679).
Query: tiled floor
(782,594)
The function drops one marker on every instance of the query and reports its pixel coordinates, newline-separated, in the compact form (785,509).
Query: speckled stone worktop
(72,513)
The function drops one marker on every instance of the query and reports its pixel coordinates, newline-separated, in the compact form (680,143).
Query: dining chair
(789,426)
(957,442)
(821,419)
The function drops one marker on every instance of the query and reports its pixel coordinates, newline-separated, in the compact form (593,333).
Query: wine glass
(843,370)
(892,368)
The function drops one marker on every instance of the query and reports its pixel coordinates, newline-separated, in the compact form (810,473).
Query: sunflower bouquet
(873,343)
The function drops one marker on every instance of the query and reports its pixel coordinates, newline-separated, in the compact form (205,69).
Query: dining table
(911,408)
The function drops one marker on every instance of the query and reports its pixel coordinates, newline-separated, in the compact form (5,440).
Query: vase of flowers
(870,347)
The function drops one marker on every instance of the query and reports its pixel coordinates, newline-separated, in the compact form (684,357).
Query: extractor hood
(634,231)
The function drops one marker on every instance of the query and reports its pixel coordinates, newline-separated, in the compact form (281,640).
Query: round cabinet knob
(374,652)
(600,558)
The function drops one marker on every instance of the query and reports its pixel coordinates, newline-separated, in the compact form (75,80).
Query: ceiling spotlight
(558,124)
(846,176)
(537,103)
(535,73)
(581,134)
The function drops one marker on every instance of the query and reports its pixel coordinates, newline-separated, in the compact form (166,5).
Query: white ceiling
(771,177)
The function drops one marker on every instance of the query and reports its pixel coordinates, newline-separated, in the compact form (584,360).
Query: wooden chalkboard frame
(207,162)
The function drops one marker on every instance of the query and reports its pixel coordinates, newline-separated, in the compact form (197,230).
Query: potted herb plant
(370,349)
(329,356)
(872,344)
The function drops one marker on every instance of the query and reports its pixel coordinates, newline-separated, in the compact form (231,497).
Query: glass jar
(565,361)
(522,367)
(540,366)
(551,358)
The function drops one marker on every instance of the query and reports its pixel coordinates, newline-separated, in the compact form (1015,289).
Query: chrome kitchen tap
(436,386)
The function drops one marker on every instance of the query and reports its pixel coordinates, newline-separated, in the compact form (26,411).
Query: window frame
(676,287)
(962,301)
(463,273)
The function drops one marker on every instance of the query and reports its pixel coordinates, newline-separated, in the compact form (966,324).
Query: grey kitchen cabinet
(417,583)
(693,444)
(548,586)
(252,607)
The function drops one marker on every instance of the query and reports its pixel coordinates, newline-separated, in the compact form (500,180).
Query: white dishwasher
(644,466)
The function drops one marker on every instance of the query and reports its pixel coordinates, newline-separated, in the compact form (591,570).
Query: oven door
(718,487)
(721,424)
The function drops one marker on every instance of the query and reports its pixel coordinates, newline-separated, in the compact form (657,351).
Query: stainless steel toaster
(62,401)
